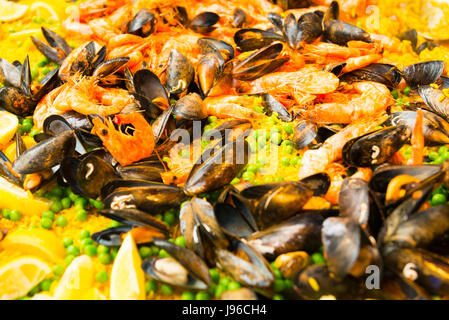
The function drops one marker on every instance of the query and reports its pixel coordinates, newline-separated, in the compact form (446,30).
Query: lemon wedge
(20,275)
(40,6)
(8,124)
(13,197)
(77,280)
(10,151)
(127,277)
(10,11)
(36,242)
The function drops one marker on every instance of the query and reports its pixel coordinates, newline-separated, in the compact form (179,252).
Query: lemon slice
(36,242)
(127,277)
(10,11)
(20,275)
(10,151)
(77,280)
(40,6)
(8,125)
(13,197)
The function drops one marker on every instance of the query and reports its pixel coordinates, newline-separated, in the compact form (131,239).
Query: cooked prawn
(316,161)
(231,107)
(126,148)
(363,100)
(417,141)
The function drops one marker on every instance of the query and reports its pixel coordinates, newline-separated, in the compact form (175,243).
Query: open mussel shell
(376,147)
(304,134)
(307,29)
(396,287)
(211,44)
(232,221)
(9,74)
(151,197)
(111,237)
(190,107)
(180,73)
(147,170)
(315,281)
(148,85)
(341,242)
(386,74)
(15,101)
(427,269)
(271,105)
(354,200)
(45,154)
(204,22)
(219,169)
(383,175)
(319,183)
(238,18)
(143,23)
(423,73)
(435,128)
(58,50)
(82,60)
(198,273)
(299,233)
(276,20)
(110,66)
(340,32)
(278,201)
(435,100)
(422,228)
(56,124)
(135,218)
(245,265)
(253,39)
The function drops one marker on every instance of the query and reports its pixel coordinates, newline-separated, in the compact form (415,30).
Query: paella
(224,149)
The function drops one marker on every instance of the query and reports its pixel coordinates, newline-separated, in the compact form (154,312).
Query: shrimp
(180,166)
(417,141)
(231,107)
(337,174)
(302,85)
(360,62)
(365,99)
(126,148)
(316,161)
(84,96)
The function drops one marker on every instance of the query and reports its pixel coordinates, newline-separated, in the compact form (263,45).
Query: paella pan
(243,149)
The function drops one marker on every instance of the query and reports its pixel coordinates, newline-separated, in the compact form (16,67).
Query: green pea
(45,70)
(224,281)
(438,199)
(259,109)
(114,252)
(234,285)
(150,286)
(288,128)
(114,224)
(48,214)
(278,297)
(169,218)
(46,223)
(26,128)
(43,63)
(317,258)
(235,181)
(163,253)
(407,90)
(214,274)
(58,270)
(35,290)
(84,234)
(276,138)
(14,215)
(61,221)
(187,295)
(212,119)
(439,160)
(278,285)
(443,150)
(277,273)
(166,289)
(288,149)
(286,143)
(73,197)
(56,206)
(105,258)
(80,202)
(268,179)
(45,285)
(295,160)
(90,250)
(40,78)
(102,277)
(433,155)
(395,93)
(180,241)
(56,191)
(288,284)
(96,204)
(219,291)
(202,296)
(34,73)
(285,161)
(248,176)
(155,250)
(145,252)
(102,249)
(68,259)
(73,250)
(67,242)
(252,168)
(81,215)
(6,213)
(66,202)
